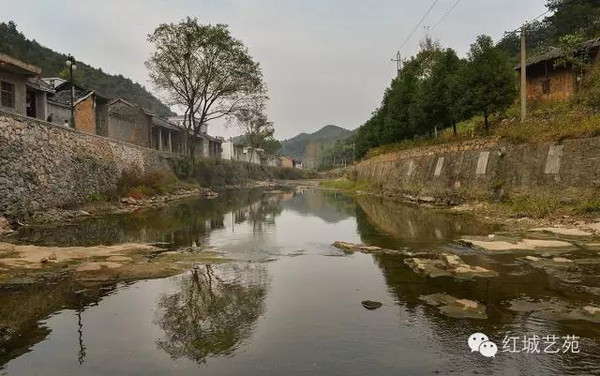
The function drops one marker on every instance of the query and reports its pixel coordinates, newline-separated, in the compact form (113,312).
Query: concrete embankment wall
(488,169)
(43,165)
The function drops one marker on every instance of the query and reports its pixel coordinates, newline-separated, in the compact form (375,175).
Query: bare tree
(205,70)
(257,128)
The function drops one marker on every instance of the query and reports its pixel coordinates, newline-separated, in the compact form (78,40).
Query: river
(289,303)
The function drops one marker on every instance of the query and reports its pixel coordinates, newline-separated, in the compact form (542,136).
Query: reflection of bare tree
(211,312)
(264,212)
(82,349)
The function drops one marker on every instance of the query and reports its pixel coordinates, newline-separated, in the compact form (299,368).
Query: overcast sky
(325,62)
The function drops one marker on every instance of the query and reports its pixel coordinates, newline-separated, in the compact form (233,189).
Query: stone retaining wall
(43,165)
(488,168)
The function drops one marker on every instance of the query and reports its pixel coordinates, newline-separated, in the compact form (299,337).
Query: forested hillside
(14,43)
(298,146)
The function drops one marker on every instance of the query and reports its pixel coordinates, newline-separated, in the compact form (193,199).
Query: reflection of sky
(291,232)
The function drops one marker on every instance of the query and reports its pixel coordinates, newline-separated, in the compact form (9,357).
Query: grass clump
(589,207)
(534,206)
(96,197)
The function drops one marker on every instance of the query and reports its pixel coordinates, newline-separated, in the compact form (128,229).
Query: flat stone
(562,260)
(371,305)
(370,248)
(532,258)
(119,259)
(520,245)
(457,308)
(453,260)
(594,311)
(345,246)
(88,267)
(94,266)
(562,231)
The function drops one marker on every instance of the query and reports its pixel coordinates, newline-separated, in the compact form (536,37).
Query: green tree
(489,80)
(205,70)
(573,17)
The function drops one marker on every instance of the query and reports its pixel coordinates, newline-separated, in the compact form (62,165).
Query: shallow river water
(290,304)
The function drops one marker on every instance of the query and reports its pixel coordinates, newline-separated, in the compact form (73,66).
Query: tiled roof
(554,53)
(64,97)
(39,84)
(160,122)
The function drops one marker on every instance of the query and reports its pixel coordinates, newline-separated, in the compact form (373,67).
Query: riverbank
(23,262)
(514,215)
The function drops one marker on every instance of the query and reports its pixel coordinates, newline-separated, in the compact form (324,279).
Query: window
(546,86)
(7,94)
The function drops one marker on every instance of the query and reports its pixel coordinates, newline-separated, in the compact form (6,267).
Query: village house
(129,123)
(206,146)
(548,82)
(90,109)
(287,162)
(21,90)
(252,155)
(24,92)
(231,151)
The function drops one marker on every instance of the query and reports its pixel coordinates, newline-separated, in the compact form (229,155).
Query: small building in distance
(548,82)
(231,151)
(252,155)
(287,162)
(21,89)
(90,109)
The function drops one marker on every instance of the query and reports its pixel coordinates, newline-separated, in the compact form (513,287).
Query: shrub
(134,183)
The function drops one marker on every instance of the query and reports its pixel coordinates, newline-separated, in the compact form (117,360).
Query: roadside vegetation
(439,98)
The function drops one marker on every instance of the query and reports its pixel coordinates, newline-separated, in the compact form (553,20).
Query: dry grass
(548,122)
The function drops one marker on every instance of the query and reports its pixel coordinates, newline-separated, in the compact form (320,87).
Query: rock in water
(371,305)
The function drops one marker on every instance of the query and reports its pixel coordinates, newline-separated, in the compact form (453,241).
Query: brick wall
(85,120)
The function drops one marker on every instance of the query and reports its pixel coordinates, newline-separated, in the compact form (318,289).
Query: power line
(419,24)
(446,15)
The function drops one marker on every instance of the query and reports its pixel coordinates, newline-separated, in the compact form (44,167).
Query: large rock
(446,265)
(454,307)
(5,228)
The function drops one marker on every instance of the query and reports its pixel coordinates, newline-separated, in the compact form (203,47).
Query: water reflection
(179,224)
(212,311)
(395,225)
(298,315)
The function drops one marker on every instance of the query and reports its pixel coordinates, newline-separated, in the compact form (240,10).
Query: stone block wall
(488,169)
(43,165)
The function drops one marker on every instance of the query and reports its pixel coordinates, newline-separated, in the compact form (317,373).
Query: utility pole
(398,61)
(523,76)
(71,64)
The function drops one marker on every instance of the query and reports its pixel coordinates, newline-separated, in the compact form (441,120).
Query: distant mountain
(14,43)
(308,146)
